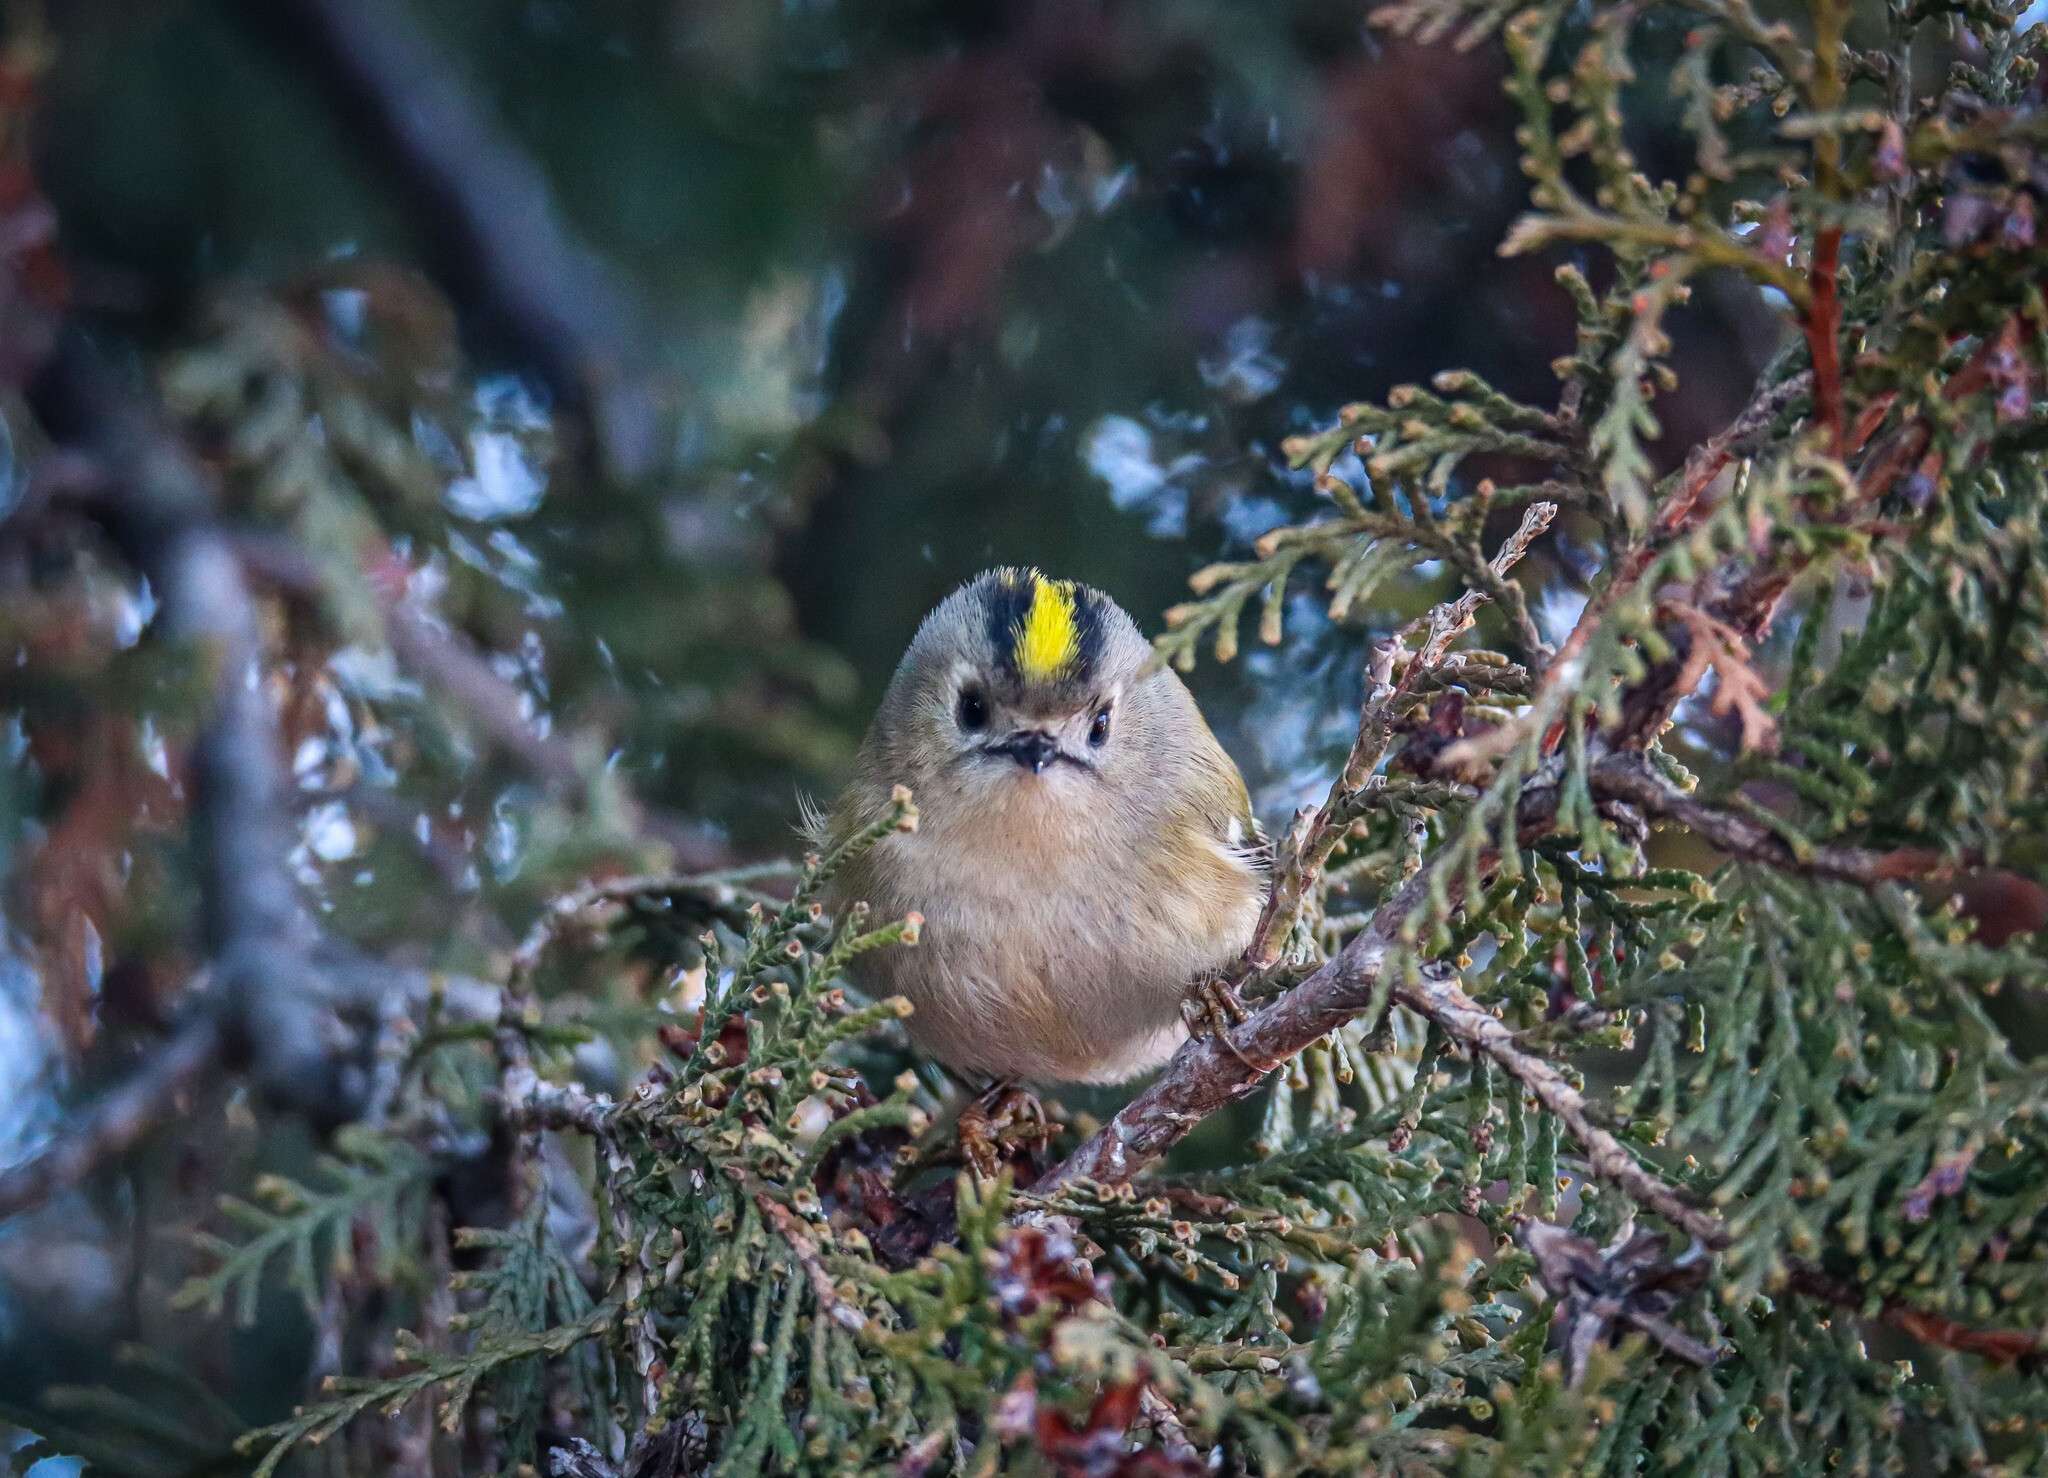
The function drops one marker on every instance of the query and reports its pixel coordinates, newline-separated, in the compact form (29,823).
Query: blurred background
(741,332)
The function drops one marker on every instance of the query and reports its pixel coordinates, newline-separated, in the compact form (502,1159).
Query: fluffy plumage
(1085,847)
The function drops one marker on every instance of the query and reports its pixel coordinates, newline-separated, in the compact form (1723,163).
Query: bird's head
(1024,690)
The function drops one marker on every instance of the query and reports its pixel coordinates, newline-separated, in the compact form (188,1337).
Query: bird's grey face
(997,724)
(1018,681)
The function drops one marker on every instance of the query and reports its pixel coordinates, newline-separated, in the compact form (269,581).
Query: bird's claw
(1005,1124)
(1212,1007)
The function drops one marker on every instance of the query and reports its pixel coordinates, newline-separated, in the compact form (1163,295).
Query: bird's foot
(1212,1007)
(1006,1125)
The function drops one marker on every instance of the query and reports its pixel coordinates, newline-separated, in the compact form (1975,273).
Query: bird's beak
(1031,748)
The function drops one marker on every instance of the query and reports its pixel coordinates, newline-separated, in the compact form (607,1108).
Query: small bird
(1085,850)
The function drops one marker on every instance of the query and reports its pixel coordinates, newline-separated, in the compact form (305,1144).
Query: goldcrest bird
(1085,849)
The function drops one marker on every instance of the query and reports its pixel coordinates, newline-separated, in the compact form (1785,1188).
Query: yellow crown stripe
(1049,638)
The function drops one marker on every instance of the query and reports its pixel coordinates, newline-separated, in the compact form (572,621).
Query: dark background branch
(487,218)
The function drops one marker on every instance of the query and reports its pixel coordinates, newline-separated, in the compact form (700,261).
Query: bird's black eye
(972,710)
(1098,732)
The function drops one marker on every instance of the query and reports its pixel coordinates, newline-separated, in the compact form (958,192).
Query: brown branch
(1310,846)
(1444,624)
(805,1249)
(1822,325)
(1207,1074)
(1213,1071)
(584,901)
(1902,451)
(1676,514)
(2021,1347)
(1172,1432)
(526,1103)
(1632,1283)
(1210,1072)
(537,1104)
(1631,778)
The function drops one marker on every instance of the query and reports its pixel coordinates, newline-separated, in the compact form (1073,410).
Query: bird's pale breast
(1038,962)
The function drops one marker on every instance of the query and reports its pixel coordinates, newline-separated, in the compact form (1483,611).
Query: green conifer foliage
(1635,1042)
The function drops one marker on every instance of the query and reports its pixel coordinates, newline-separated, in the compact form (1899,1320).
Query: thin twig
(1902,451)
(1437,998)
(1629,777)
(805,1250)
(1313,842)
(528,1104)
(2022,1347)
(536,1104)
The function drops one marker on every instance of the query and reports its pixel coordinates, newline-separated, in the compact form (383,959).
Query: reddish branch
(1677,512)
(2002,1346)
(1213,1071)
(1822,325)
(1996,357)
(1318,837)
(1745,597)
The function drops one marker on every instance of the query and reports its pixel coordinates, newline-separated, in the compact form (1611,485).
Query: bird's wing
(1237,827)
